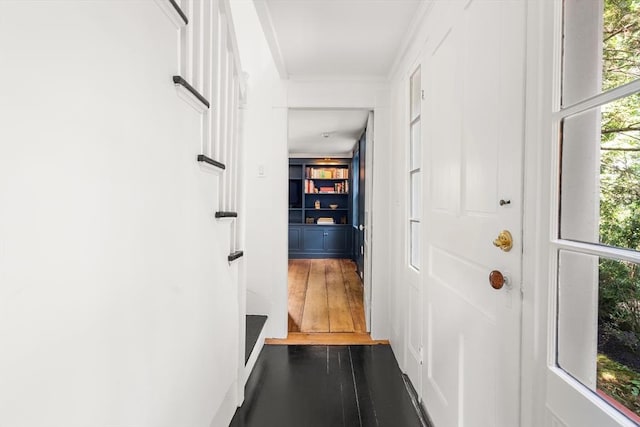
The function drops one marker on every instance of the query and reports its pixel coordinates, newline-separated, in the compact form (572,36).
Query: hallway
(326,386)
(174,172)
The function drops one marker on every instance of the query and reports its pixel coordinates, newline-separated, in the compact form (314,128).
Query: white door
(368,231)
(413,223)
(473,138)
(595,253)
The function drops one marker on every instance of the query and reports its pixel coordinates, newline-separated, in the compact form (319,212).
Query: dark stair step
(255,324)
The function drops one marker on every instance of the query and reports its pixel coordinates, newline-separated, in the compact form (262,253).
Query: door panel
(414,356)
(335,240)
(295,239)
(313,238)
(473,146)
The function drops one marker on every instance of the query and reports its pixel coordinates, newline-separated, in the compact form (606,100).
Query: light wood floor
(325,304)
(325,295)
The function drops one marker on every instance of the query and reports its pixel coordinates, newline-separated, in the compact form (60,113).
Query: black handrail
(209,160)
(180,12)
(223,214)
(235,255)
(182,82)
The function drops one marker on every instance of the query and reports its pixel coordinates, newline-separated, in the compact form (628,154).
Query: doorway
(327,221)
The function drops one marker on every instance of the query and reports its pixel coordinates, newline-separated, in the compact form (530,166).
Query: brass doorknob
(496,279)
(504,241)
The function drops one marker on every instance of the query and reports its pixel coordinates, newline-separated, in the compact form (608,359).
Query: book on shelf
(338,187)
(309,186)
(327,173)
(324,220)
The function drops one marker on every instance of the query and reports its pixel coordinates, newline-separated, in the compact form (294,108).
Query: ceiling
(334,39)
(329,38)
(308,127)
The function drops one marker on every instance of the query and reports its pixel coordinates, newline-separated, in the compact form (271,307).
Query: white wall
(115,294)
(265,147)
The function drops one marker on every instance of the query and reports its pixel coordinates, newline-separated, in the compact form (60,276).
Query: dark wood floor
(326,386)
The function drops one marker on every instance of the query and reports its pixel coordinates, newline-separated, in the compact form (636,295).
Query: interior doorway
(327,221)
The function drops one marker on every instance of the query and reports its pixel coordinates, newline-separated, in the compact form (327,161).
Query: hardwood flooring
(325,338)
(325,295)
(321,386)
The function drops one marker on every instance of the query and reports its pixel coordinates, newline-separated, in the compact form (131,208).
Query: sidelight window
(598,240)
(415,172)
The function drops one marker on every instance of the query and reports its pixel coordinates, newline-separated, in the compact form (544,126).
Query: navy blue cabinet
(319,241)
(295,239)
(320,208)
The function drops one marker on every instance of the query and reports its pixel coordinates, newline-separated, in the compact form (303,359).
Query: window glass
(416,190)
(601,47)
(415,94)
(599,326)
(415,145)
(415,176)
(621,42)
(415,244)
(600,186)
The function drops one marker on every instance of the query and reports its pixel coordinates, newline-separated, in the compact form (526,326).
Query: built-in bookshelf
(319,194)
(319,206)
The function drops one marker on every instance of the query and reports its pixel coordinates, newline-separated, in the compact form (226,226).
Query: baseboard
(425,420)
(425,415)
(227,408)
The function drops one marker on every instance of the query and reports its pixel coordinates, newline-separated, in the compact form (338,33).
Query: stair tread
(254,324)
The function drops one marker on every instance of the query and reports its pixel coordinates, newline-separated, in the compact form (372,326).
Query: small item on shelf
(333,206)
(343,220)
(309,220)
(317,204)
(327,190)
(324,220)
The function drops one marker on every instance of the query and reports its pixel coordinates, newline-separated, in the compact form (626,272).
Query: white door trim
(542,91)
(373,96)
(368,228)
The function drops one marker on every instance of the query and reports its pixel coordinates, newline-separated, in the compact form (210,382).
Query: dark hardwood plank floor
(326,386)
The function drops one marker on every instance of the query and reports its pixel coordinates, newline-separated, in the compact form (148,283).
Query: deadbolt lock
(504,241)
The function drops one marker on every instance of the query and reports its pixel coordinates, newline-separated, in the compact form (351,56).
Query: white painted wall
(398,293)
(265,148)
(115,293)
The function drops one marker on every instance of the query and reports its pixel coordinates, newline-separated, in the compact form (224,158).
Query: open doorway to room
(327,224)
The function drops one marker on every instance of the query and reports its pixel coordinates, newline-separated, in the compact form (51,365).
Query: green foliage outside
(620,167)
(619,282)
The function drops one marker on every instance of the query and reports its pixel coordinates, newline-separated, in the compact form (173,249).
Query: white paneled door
(415,312)
(473,78)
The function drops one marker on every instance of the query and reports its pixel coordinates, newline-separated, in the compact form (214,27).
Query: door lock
(504,241)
